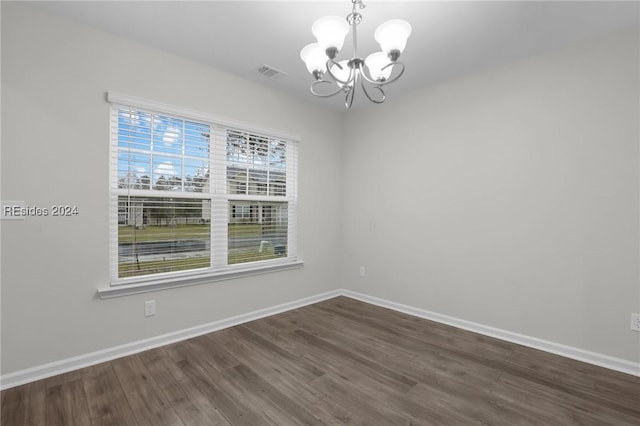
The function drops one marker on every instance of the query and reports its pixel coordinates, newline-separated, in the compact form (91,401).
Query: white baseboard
(601,360)
(69,364)
(74,363)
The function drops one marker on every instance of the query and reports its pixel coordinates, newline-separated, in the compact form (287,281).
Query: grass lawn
(126,234)
(245,230)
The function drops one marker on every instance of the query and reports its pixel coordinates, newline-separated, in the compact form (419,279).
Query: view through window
(171,213)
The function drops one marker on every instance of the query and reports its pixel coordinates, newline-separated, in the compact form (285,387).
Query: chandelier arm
(369,79)
(346,83)
(366,93)
(384,83)
(353,77)
(348,99)
(324,95)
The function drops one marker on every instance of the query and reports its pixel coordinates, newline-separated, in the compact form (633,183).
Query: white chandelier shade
(314,57)
(392,35)
(330,31)
(377,70)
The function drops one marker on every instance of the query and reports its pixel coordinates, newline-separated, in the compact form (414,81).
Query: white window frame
(219,269)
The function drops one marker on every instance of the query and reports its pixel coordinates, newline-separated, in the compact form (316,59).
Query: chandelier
(343,76)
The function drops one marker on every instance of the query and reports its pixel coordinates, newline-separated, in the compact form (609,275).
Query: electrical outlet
(635,322)
(149,308)
(362,271)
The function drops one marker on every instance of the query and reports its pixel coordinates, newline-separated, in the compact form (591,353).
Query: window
(191,195)
(256,170)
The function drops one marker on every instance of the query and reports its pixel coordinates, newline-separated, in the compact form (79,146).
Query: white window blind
(191,196)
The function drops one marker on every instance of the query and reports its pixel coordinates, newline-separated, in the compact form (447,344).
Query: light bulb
(330,32)
(392,35)
(375,62)
(314,57)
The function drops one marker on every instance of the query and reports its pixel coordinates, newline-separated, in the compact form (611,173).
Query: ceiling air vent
(270,72)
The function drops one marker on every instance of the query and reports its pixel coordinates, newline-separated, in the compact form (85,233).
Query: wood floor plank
(356,401)
(223,349)
(199,350)
(63,378)
(190,405)
(108,404)
(370,347)
(277,331)
(148,402)
(593,382)
(340,354)
(395,399)
(214,386)
(417,367)
(275,404)
(529,402)
(284,378)
(397,329)
(292,362)
(330,412)
(467,408)
(337,362)
(578,409)
(24,405)
(15,405)
(66,404)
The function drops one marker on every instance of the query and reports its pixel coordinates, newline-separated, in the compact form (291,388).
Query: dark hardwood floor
(336,362)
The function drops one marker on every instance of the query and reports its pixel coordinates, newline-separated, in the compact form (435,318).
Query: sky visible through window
(161,152)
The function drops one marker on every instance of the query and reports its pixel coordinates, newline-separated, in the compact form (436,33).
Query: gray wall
(55,149)
(508,198)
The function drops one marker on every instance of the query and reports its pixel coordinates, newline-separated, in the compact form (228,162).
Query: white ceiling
(449,38)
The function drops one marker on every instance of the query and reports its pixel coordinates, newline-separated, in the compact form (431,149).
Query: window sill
(175,282)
